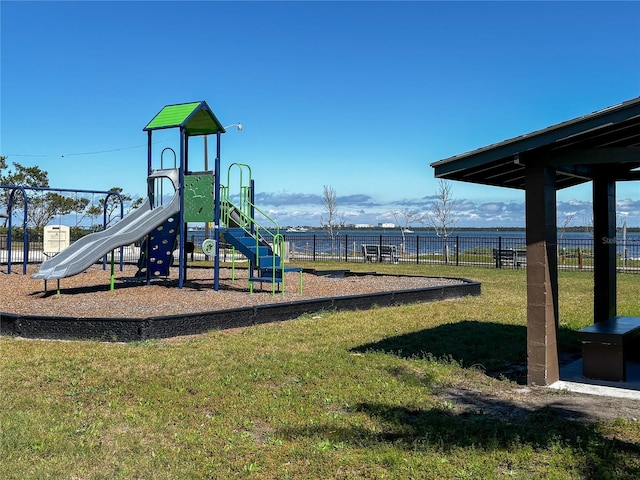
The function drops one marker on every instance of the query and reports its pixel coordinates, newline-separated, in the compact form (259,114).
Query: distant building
(387,225)
(363,225)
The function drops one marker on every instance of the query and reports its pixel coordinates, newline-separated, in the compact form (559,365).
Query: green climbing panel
(198,197)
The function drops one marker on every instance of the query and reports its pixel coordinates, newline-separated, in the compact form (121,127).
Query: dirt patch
(518,402)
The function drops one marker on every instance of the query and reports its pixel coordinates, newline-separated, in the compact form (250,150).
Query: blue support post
(216,216)
(181,219)
(149,153)
(152,200)
(25,234)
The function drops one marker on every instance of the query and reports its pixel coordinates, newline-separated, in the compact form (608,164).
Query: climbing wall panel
(161,244)
(198,197)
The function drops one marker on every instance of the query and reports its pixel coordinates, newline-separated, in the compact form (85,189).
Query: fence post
(314,247)
(457,250)
(417,250)
(346,247)
(498,260)
(579,258)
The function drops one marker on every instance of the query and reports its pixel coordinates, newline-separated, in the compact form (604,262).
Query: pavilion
(603,148)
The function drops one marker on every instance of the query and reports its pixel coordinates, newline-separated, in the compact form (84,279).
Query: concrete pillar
(542,276)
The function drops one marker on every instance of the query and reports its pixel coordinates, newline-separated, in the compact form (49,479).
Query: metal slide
(88,250)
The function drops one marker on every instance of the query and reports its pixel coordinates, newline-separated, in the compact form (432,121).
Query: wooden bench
(606,347)
(509,256)
(380,253)
(370,253)
(389,253)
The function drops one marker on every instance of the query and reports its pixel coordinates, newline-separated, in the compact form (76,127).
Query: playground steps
(267,266)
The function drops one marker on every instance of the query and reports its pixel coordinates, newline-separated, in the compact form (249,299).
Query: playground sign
(56,238)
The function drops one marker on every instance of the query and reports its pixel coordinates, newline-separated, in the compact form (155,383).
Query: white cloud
(306,209)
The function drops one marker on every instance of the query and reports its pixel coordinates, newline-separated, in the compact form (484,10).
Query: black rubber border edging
(140,329)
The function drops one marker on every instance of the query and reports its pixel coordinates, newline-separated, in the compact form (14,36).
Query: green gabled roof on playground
(196,118)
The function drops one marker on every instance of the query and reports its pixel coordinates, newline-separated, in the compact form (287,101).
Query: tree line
(43,206)
(442,216)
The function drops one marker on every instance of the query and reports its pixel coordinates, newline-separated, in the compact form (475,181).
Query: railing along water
(459,250)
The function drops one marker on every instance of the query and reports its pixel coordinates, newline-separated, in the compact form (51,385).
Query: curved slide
(88,250)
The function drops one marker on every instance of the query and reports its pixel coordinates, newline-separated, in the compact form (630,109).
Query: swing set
(12,203)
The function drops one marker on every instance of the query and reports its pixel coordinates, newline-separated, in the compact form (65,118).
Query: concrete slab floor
(571,379)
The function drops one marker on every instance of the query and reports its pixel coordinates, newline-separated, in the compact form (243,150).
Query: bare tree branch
(443,217)
(330,205)
(407,216)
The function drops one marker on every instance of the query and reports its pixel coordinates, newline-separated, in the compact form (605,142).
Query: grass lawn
(346,395)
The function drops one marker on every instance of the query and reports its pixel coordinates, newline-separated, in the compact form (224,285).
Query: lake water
(349,241)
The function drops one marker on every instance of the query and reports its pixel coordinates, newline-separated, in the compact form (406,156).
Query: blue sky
(361,96)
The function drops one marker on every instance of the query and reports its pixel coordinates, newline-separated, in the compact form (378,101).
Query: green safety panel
(195,117)
(198,197)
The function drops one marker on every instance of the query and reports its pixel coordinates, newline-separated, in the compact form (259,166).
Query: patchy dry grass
(346,395)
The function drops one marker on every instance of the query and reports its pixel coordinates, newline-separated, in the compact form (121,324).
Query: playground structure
(198,196)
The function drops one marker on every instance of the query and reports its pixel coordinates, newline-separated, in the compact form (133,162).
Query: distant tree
(443,217)
(94,212)
(113,206)
(77,205)
(405,217)
(24,177)
(44,206)
(329,220)
(566,223)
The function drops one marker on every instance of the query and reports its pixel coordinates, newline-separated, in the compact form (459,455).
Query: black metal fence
(490,252)
(463,250)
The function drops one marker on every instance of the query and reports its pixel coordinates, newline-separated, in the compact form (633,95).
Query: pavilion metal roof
(605,142)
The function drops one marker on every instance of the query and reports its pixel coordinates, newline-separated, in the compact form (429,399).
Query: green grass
(344,395)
